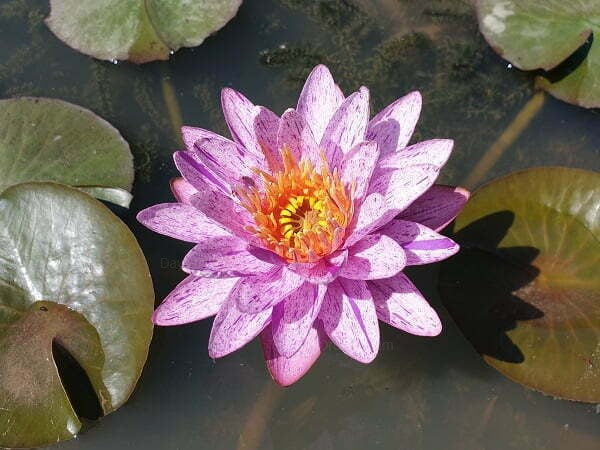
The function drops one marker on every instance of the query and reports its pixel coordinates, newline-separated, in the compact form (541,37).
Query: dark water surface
(420,393)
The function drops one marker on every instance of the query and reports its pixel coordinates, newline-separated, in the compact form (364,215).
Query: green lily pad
(525,288)
(73,275)
(137,30)
(541,34)
(52,140)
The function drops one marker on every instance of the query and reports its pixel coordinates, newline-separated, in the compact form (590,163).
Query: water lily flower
(303,224)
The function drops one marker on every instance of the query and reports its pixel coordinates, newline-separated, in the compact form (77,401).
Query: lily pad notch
(137,30)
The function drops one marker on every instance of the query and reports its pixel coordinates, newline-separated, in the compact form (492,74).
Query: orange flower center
(300,213)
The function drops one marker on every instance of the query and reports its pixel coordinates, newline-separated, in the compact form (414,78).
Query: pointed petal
(319,100)
(433,152)
(393,127)
(232,328)
(286,371)
(422,245)
(293,317)
(228,161)
(196,173)
(374,256)
(400,304)
(224,211)
(226,256)
(190,135)
(182,190)
(358,166)
(295,132)
(262,292)
(437,207)
(350,320)
(347,127)
(193,299)
(180,221)
(253,127)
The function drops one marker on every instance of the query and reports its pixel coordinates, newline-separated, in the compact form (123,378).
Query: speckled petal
(190,135)
(350,320)
(323,271)
(225,212)
(182,190)
(374,256)
(232,328)
(295,132)
(433,152)
(347,127)
(393,127)
(262,292)
(437,207)
(193,299)
(358,166)
(180,221)
(293,317)
(286,371)
(226,256)
(195,172)
(421,244)
(253,127)
(400,304)
(319,100)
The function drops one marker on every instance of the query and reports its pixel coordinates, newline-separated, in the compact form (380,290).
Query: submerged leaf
(137,30)
(72,274)
(525,288)
(51,140)
(541,34)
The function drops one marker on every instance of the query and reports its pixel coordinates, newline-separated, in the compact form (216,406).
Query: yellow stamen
(299,212)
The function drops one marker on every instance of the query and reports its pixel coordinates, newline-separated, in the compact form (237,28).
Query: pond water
(419,393)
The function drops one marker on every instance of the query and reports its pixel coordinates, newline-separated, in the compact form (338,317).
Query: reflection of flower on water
(295,227)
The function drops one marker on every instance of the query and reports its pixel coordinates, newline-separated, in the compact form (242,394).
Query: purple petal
(295,132)
(347,127)
(225,212)
(434,152)
(422,245)
(400,304)
(196,173)
(226,256)
(293,317)
(261,292)
(286,371)
(253,127)
(350,320)
(393,127)
(232,328)
(228,161)
(182,190)
(358,165)
(193,299)
(319,100)
(180,221)
(437,207)
(191,134)
(323,271)
(374,256)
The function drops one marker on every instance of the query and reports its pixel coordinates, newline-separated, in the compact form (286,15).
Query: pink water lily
(303,224)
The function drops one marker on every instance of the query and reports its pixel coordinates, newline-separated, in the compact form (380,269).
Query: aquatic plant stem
(506,139)
(172,105)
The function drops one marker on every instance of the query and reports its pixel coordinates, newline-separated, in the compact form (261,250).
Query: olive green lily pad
(137,30)
(51,140)
(541,34)
(72,274)
(525,288)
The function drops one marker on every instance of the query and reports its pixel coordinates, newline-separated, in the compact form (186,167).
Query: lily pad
(137,30)
(73,275)
(525,288)
(51,140)
(541,34)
